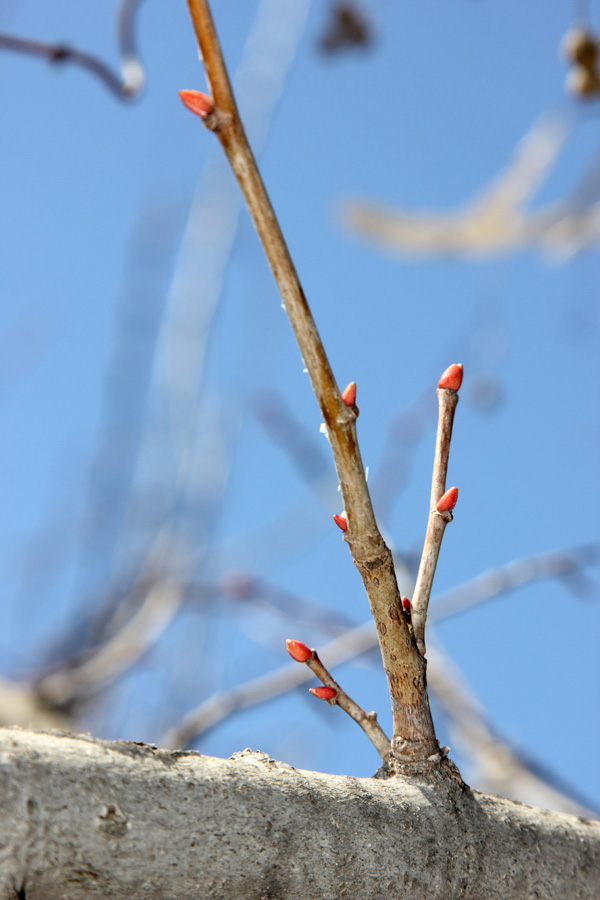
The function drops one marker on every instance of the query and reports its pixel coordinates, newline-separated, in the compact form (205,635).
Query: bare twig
(367,720)
(125,87)
(264,688)
(439,513)
(414,735)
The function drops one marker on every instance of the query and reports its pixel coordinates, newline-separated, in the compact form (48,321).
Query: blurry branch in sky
(496,222)
(347,27)
(568,566)
(118,654)
(127,86)
(158,483)
(495,765)
(185,445)
(580,48)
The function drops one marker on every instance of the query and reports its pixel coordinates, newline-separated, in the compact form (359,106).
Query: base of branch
(438,770)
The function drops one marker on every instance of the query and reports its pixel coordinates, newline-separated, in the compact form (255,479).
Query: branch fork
(403,657)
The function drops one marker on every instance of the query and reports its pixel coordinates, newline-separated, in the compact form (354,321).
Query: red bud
(197,102)
(298,651)
(341,522)
(448,500)
(324,693)
(349,395)
(406,604)
(452,377)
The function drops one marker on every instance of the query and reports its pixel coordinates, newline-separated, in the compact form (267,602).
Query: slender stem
(437,522)
(414,734)
(367,720)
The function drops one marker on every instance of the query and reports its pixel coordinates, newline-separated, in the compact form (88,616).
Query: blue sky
(422,120)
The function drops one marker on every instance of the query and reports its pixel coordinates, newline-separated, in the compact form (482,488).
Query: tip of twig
(298,650)
(341,522)
(452,377)
(324,693)
(349,395)
(447,501)
(200,104)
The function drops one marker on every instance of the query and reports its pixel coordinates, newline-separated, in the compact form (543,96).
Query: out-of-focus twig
(580,47)
(347,27)
(20,704)
(119,653)
(439,513)
(191,463)
(494,222)
(568,565)
(414,734)
(499,768)
(126,86)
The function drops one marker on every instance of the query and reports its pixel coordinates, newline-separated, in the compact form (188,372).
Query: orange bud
(349,395)
(448,500)
(197,102)
(452,377)
(341,522)
(298,651)
(406,604)
(324,693)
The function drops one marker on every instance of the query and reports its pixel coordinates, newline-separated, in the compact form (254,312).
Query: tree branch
(84,818)
(440,513)
(414,734)
(366,720)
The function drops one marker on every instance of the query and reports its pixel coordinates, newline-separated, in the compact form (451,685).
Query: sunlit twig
(439,513)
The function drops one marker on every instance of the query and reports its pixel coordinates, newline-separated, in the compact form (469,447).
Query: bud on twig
(452,377)
(447,501)
(341,522)
(298,651)
(349,395)
(197,102)
(406,604)
(324,693)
